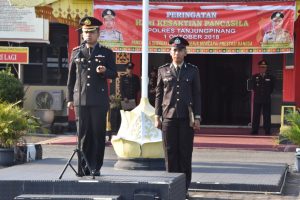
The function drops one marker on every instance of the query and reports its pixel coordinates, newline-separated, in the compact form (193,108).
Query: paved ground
(228,141)
(219,153)
(290,191)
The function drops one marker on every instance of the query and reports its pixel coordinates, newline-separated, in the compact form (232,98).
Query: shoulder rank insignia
(165,65)
(75,48)
(104,46)
(192,65)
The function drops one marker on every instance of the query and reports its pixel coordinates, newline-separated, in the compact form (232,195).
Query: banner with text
(232,28)
(14,55)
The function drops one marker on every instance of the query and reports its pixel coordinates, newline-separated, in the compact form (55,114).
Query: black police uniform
(130,86)
(94,99)
(151,90)
(176,91)
(263,87)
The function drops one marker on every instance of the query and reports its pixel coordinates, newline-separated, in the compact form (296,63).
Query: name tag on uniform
(167,79)
(267,79)
(100,56)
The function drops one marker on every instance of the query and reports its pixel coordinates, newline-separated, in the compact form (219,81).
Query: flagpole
(144,133)
(145,35)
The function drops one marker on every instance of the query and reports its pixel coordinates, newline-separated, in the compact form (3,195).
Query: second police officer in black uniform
(96,64)
(129,84)
(177,94)
(262,86)
(152,86)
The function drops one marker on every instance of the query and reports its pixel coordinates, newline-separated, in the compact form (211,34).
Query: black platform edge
(70,197)
(170,190)
(154,164)
(273,189)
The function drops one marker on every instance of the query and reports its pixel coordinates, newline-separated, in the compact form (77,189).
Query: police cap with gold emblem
(129,65)
(277,15)
(263,63)
(178,42)
(108,13)
(89,24)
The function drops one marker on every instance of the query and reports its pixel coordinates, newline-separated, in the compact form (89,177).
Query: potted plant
(14,124)
(292,133)
(43,110)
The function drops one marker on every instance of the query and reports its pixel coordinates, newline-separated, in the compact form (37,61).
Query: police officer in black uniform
(152,86)
(262,86)
(177,95)
(130,84)
(95,63)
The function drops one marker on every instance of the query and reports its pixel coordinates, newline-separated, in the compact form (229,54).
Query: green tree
(11,89)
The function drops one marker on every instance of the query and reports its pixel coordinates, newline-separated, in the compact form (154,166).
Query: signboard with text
(14,55)
(239,27)
(22,25)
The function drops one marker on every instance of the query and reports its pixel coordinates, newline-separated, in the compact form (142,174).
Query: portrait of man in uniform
(277,34)
(110,33)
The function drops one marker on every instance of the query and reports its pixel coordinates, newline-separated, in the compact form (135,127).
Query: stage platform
(41,178)
(239,177)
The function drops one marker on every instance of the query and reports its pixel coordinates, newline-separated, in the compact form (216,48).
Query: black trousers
(91,134)
(178,139)
(266,110)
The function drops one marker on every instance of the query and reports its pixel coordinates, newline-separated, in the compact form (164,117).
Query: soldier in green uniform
(277,34)
(110,33)
(177,108)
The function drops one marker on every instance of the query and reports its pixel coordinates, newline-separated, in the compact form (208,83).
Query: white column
(145,79)
(21,73)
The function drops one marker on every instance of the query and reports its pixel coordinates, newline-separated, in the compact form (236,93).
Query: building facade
(225,98)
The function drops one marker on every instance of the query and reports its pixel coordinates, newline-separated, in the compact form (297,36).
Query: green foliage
(11,89)
(14,123)
(292,132)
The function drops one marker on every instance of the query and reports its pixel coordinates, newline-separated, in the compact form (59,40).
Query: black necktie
(90,51)
(177,69)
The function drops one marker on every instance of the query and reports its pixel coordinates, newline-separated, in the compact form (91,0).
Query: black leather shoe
(87,171)
(79,174)
(187,196)
(95,172)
